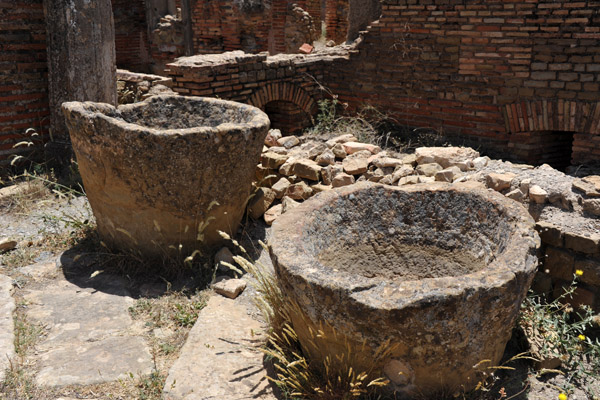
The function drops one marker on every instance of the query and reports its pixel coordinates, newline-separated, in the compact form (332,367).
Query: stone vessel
(437,270)
(163,176)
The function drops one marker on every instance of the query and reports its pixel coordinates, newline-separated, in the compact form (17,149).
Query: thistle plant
(565,334)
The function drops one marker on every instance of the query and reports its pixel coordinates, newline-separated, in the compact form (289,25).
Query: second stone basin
(437,270)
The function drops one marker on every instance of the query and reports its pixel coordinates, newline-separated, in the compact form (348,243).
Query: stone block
(550,234)
(588,244)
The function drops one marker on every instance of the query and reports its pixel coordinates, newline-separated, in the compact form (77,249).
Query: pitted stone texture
(7,333)
(221,358)
(438,269)
(88,334)
(167,171)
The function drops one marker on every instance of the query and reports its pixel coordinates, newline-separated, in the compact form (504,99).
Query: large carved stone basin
(164,175)
(438,270)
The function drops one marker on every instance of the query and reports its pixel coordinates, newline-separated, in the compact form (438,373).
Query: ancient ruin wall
(23,74)
(131,34)
(336,20)
(496,74)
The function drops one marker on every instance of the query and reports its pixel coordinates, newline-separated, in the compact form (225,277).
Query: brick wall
(258,80)
(23,74)
(336,20)
(473,70)
(221,26)
(131,35)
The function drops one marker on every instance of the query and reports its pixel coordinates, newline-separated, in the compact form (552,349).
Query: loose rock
(307,169)
(499,182)
(228,287)
(537,194)
(299,191)
(260,202)
(288,141)
(272,213)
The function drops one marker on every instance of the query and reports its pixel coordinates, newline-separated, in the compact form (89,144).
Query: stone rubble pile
(291,171)
(566,209)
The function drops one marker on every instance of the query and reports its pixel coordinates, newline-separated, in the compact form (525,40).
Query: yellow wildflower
(578,272)
(581,337)
(562,396)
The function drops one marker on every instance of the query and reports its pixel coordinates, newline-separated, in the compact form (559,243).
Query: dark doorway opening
(543,147)
(287,117)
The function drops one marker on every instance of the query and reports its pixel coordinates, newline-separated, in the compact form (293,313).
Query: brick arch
(283,91)
(552,115)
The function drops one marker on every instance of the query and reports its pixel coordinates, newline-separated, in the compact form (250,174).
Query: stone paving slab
(7,334)
(89,334)
(221,358)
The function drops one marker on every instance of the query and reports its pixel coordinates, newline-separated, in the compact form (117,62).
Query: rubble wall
(23,76)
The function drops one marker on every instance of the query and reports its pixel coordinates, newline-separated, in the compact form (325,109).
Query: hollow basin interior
(380,233)
(177,112)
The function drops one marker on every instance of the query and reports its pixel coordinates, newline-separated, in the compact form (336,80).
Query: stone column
(81,62)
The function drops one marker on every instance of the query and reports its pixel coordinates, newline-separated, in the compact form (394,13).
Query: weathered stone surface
(524,185)
(499,182)
(357,163)
(448,174)
(538,195)
(273,160)
(387,162)
(299,191)
(7,334)
(89,338)
(590,185)
(307,169)
(224,255)
(429,169)
(342,179)
(272,213)
(516,195)
(480,162)
(81,56)
(408,180)
(316,149)
(339,152)
(228,287)
(319,187)
(287,168)
(280,187)
(326,158)
(288,141)
(288,203)
(591,206)
(589,244)
(272,137)
(549,233)
(260,202)
(444,310)
(410,159)
(330,172)
(221,358)
(446,156)
(46,269)
(341,139)
(354,147)
(401,172)
(156,170)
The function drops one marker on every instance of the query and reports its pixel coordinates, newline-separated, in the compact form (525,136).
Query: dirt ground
(46,224)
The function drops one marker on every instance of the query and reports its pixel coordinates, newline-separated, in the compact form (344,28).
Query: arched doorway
(287,117)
